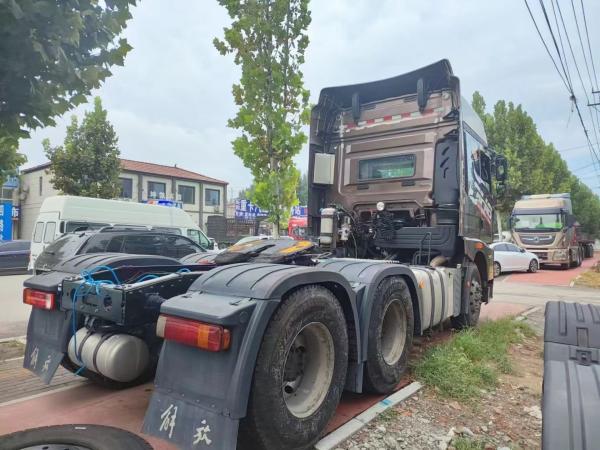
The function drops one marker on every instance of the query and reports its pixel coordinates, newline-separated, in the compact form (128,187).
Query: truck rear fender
(203,388)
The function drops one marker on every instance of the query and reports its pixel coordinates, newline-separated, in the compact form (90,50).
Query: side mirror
(501,168)
(571,220)
(522,250)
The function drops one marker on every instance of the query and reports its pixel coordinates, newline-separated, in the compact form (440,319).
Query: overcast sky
(170,102)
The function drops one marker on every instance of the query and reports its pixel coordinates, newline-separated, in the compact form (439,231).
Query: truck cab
(544,224)
(400,169)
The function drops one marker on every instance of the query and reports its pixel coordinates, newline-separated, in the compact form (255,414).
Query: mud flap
(47,338)
(188,425)
(571,404)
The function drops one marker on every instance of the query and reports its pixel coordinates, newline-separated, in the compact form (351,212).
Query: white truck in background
(62,214)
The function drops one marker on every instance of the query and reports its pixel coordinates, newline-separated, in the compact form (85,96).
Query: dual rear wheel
(301,368)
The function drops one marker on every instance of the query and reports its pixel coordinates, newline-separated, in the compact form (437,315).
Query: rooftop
(149,168)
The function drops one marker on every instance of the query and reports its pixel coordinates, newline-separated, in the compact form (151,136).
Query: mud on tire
(390,334)
(300,373)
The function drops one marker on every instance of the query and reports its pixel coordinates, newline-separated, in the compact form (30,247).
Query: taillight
(213,338)
(39,299)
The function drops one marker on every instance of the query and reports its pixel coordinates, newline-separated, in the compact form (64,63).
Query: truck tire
(390,335)
(92,437)
(472,296)
(300,373)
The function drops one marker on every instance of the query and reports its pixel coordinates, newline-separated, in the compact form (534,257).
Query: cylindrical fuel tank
(120,357)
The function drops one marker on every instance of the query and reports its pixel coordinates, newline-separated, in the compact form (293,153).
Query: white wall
(30,206)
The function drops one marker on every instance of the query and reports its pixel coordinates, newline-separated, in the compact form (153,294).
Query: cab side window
(478,162)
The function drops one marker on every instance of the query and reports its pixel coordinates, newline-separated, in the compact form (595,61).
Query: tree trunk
(276,234)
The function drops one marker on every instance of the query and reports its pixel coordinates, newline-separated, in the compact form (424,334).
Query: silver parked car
(510,257)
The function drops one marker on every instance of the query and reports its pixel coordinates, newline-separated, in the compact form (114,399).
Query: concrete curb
(339,435)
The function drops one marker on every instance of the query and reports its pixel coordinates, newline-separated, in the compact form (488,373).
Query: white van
(62,214)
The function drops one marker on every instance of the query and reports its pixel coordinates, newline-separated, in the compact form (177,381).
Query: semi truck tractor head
(400,168)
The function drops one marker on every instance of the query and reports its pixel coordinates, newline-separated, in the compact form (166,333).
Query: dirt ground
(508,417)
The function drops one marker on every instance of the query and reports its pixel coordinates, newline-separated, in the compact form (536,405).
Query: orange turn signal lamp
(213,338)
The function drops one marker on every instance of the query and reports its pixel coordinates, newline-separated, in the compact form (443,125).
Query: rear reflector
(39,299)
(213,338)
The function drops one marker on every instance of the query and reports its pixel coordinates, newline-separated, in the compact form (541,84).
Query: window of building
(7,194)
(126,188)
(156,190)
(187,194)
(40,186)
(49,233)
(212,197)
(399,166)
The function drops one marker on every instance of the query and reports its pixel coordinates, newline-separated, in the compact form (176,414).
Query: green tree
(52,54)
(10,159)
(303,190)
(268,40)
(534,167)
(88,163)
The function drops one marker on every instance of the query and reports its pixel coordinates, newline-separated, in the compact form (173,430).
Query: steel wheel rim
(393,333)
(308,370)
(533,265)
(497,269)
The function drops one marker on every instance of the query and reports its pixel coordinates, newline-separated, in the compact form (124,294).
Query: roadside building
(201,196)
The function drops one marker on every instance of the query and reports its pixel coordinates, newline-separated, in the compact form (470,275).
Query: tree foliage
(88,163)
(534,167)
(52,54)
(268,40)
(303,190)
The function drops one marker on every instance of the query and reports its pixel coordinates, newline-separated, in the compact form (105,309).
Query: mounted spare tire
(80,437)
(299,375)
(390,336)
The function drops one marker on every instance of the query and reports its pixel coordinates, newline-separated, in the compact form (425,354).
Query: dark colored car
(134,242)
(14,257)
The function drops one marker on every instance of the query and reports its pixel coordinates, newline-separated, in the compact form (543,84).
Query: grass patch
(462,443)
(590,278)
(472,359)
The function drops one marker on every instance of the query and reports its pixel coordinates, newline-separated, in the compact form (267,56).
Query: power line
(568,149)
(546,46)
(588,42)
(565,76)
(592,149)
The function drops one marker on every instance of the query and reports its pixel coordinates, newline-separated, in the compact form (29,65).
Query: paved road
(14,316)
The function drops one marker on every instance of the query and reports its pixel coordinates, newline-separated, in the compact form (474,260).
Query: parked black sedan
(136,242)
(14,257)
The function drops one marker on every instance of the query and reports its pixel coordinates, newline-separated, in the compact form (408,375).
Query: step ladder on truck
(252,348)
